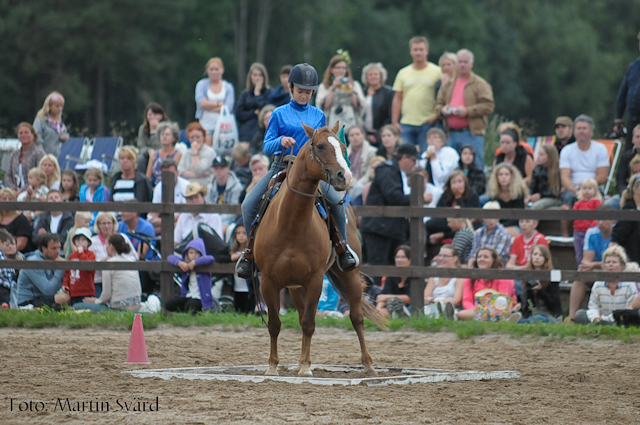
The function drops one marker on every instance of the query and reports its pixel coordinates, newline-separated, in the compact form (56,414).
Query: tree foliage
(109,58)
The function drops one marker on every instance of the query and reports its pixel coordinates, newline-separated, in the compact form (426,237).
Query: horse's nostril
(341,175)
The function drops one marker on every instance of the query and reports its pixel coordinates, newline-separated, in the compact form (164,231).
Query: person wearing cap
(285,135)
(390,187)
(194,194)
(56,222)
(564,132)
(79,283)
(581,160)
(492,234)
(464,102)
(629,100)
(225,189)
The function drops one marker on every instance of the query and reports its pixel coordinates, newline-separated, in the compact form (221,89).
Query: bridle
(314,156)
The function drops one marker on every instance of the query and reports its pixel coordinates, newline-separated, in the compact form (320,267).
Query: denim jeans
(416,135)
(457,139)
(252,202)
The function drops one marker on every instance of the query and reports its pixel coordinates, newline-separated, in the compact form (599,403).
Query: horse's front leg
(308,324)
(298,295)
(271,297)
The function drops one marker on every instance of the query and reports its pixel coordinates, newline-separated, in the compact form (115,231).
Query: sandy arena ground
(562,381)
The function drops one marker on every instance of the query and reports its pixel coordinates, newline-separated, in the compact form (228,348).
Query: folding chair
(537,142)
(71,152)
(105,150)
(614,147)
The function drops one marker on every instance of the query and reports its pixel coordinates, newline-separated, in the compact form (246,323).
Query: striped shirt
(602,302)
(463,240)
(499,240)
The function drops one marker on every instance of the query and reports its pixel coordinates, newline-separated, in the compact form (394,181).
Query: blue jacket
(201,92)
(35,283)
(629,94)
(204,279)
(286,121)
(102,193)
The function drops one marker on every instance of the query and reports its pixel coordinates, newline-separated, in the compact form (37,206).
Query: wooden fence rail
(415,213)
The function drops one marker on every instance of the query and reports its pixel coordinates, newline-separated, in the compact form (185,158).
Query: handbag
(225,135)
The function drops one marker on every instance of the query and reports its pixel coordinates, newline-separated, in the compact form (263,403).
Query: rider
(285,131)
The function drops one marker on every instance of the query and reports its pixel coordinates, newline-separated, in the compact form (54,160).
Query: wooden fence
(415,213)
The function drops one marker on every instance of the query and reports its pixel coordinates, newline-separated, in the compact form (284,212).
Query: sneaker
(440,309)
(244,268)
(397,309)
(449,311)
(283,312)
(515,317)
(348,260)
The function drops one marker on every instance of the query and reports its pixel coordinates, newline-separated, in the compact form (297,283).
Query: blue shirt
(286,121)
(593,241)
(143,227)
(328,298)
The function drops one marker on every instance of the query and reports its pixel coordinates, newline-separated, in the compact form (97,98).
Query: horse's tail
(369,311)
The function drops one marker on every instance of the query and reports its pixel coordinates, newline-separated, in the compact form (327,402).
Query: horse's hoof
(271,372)
(307,373)
(370,372)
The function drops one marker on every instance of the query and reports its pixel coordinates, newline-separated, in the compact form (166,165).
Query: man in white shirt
(583,159)
(56,222)
(194,195)
(178,198)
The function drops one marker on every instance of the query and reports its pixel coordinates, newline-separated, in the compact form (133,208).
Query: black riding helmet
(304,77)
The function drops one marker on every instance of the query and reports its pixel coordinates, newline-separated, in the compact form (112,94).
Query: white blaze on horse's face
(340,158)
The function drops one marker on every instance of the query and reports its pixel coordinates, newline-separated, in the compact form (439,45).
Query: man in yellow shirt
(415,97)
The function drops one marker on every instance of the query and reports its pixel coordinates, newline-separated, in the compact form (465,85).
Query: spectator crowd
(430,120)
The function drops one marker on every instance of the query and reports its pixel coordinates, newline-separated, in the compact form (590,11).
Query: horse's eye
(320,147)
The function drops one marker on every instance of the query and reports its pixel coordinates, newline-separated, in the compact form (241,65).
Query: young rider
(285,131)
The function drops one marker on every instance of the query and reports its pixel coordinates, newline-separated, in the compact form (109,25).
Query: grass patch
(46,318)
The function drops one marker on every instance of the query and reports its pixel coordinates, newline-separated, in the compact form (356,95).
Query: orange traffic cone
(137,346)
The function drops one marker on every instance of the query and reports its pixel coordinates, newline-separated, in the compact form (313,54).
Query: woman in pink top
(486,258)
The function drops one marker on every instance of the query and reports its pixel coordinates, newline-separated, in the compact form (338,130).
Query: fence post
(417,242)
(166,243)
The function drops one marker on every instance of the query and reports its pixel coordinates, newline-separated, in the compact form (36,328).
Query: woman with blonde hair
(340,96)
(378,100)
(48,124)
(128,183)
(49,164)
(16,223)
(212,93)
(104,226)
(447,64)
(252,99)
(508,188)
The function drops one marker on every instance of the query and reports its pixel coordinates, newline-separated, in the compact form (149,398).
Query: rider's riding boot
(244,266)
(347,259)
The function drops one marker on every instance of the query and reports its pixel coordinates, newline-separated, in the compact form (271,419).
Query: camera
(344,80)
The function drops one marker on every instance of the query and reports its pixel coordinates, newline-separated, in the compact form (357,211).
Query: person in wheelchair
(285,135)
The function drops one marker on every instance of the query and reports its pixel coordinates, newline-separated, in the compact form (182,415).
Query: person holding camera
(340,96)
(464,103)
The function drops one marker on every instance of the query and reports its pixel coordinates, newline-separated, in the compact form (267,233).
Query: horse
(293,248)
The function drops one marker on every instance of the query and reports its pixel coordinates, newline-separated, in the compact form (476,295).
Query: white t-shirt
(209,119)
(180,189)
(187,222)
(194,290)
(584,164)
(54,224)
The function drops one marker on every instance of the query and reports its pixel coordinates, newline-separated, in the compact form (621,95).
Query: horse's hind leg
(271,297)
(353,290)
(308,324)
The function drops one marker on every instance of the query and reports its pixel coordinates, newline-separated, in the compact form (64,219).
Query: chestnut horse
(292,247)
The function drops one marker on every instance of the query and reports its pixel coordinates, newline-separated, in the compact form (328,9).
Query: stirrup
(350,256)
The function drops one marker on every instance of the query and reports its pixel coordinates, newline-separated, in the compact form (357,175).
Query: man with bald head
(464,103)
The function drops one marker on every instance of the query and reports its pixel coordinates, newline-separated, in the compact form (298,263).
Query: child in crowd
(94,189)
(196,287)
(369,293)
(79,283)
(543,296)
(49,164)
(475,175)
(493,234)
(545,180)
(7,276)
(524,243)
(589,198)
(242,300)
(37,190)
(69,186)
(82,219)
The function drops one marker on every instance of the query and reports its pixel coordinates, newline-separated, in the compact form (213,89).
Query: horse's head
(327,154)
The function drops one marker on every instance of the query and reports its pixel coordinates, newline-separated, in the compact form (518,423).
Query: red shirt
(457,100)
(584,225)
(522,249)
(80,282)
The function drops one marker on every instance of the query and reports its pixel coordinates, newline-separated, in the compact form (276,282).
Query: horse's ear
(307,130)
(336,127)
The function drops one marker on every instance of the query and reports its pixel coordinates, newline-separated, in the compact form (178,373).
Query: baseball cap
(219,161)
(564,120)
(83,231)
